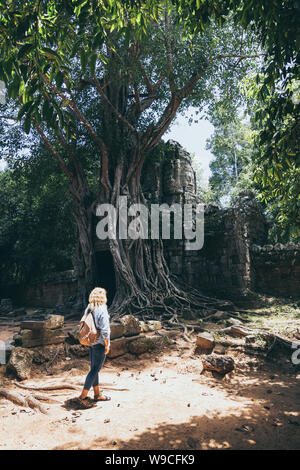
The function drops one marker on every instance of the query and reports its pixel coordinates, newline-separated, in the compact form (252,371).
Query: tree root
(51,362)
(47,387)
(146,288)
(21,400)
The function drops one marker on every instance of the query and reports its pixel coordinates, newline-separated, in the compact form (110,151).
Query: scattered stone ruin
(43,341)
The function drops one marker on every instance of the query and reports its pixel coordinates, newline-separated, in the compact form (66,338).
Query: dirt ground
(160,401)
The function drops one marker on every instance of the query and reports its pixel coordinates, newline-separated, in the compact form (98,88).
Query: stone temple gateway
(234,263)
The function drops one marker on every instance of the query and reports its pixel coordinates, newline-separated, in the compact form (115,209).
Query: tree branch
(169,54)
(104,179)
(54,152)
(9,117)
(114,110)
(149,85)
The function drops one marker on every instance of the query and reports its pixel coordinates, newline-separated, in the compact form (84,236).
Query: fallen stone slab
(118,347)
(121,346)
(32,338)
(53,322)
(237,331)
(141,345)
(116,330)
(20,363)
(205,343)
(131,325)
(32,325)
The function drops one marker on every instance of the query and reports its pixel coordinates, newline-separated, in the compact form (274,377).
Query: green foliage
(232,147)
(37,232)
(203,188)
(49,49)
(276,121)
(277,156)
(275,22)
(40,38)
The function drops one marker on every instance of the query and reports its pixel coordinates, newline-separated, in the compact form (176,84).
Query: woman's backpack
(88,333)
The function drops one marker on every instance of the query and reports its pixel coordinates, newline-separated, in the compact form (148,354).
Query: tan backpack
(88,333)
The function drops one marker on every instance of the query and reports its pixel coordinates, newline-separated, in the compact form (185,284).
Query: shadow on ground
(269,419)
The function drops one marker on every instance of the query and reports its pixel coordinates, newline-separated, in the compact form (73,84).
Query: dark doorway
(106,274)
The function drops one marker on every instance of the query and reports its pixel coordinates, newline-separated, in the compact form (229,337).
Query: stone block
(205,343)
(118,347)
(141,344)
(116,330)
(151,325)
(131,325)
(52,323)
(32,338)
(20,363)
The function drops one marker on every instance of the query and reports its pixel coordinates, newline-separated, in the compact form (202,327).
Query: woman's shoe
(85,403)
(101,398)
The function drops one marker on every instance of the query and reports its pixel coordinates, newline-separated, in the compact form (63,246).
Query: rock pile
(217,362)
(127,336)
(41,332)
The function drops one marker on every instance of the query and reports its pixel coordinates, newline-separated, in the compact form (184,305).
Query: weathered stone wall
(226,265)
(276,269)
(51,291)
(223,265)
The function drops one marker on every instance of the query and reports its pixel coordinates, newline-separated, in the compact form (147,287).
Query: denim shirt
(101,317)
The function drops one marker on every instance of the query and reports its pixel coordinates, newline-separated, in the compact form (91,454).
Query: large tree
(137,68)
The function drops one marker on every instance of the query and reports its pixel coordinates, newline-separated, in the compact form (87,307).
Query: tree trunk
(144,285)
(143,281)
(86,269)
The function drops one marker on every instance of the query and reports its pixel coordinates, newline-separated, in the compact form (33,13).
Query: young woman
(98,308)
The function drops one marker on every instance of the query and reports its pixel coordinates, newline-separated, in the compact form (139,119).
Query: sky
(192,137)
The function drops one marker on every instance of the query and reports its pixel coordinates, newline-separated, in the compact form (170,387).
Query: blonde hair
(97,297)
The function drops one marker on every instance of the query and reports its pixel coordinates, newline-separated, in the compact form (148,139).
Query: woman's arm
(102,323)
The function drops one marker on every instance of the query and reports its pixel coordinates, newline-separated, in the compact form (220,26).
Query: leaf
(92,64)
(83,59)
(59,78)
(47,112)
(27,123)
(25,50)
(25,108)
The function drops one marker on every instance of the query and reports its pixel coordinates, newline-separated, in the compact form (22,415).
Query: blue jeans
(97,358)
